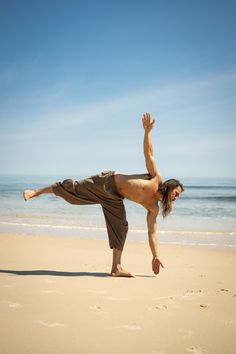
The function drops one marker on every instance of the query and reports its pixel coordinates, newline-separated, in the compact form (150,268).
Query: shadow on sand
(55,273)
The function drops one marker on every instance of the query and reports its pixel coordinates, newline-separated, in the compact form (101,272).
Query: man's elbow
(148,154)
(152,235)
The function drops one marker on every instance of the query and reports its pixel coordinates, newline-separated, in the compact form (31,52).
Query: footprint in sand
(116,298)
(186,333)
(52,292)
(161,307)
(132,327)
(230,323)
(51,325)
(204,306)
(14,305)
(196,350)
(95,307)
(191,294)
(224,290)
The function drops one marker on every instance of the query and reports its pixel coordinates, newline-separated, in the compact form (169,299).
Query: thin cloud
(189,123)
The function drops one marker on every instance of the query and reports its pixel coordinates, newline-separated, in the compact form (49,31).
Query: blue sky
(76,77)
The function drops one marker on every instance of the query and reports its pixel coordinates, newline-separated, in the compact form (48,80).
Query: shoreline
(215,239)
(57,291)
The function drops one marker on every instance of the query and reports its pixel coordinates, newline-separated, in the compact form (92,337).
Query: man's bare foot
(29,194)
(120,272)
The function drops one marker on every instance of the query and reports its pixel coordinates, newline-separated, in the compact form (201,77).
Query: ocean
(205,214)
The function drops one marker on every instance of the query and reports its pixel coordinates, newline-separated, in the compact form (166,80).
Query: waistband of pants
(111,176)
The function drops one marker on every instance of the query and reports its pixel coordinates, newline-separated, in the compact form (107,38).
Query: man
(110,188)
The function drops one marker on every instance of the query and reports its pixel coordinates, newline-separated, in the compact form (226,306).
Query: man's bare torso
(141,189)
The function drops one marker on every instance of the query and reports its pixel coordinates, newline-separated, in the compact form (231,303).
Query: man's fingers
(160,264)
(148,122)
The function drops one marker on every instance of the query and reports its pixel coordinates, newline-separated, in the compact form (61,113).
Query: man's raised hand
(148,122)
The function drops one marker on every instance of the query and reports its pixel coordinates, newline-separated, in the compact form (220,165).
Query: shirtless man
(110,188)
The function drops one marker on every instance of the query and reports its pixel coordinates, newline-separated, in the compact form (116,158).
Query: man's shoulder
(152,208)
(156,179)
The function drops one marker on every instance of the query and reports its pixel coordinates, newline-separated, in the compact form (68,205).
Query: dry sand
(57,297)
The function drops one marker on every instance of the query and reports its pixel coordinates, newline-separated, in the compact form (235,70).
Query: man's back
(139,188)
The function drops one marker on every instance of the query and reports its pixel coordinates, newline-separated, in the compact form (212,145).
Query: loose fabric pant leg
(116,223)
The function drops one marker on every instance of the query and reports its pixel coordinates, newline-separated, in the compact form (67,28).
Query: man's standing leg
(117,229)
(117,270)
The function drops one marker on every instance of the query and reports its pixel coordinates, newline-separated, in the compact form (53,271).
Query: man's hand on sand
(156,263)
(148,122)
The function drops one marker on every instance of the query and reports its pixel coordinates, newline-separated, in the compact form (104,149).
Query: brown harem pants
(98,189)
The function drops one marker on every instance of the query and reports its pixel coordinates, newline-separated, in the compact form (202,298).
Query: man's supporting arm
(152,238)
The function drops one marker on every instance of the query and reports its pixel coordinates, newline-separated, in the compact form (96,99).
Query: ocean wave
(134,230)
(219,186)
(54,226)
(220,198)
(208,244)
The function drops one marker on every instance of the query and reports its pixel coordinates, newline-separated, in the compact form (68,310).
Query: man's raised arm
(148,124)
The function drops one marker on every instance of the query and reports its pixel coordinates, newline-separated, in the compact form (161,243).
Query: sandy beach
(57,297)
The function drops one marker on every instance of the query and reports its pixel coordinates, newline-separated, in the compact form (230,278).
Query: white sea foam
(77,227)
(134,230)
(205,214)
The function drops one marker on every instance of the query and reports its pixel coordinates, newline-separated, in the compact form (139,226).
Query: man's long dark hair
(165,189)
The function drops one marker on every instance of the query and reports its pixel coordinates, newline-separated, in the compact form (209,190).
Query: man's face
(176,193)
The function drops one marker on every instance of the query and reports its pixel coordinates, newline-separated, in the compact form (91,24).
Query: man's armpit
(154,211)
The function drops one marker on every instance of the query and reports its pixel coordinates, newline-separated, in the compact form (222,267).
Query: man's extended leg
(30,193)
